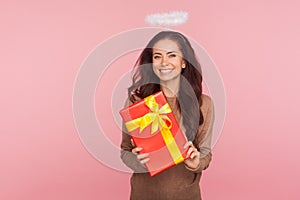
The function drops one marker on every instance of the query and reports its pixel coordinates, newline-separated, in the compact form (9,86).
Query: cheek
(155,69)
(179,69)
(155,66)
(155,63)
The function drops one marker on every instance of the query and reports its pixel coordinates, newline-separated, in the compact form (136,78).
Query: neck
(171,87)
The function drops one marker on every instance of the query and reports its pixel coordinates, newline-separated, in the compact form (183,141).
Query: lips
(165,70)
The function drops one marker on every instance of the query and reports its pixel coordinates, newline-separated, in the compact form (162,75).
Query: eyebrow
(167,52)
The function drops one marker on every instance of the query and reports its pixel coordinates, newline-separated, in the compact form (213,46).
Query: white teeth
(165,70)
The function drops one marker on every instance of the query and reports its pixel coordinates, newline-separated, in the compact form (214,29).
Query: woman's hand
(143,158)
(193,156)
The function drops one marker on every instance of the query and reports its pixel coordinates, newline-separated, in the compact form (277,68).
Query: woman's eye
(172,55)
(156,57)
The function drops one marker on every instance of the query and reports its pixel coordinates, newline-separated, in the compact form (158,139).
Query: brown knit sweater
(178,182)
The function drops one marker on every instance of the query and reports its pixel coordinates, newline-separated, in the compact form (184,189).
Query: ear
(183,64)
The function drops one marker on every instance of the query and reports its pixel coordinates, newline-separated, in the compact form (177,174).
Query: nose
(165,61)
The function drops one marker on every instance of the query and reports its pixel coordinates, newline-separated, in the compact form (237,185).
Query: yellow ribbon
(157,116)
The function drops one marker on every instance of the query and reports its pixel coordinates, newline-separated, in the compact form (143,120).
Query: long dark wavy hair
(145,82)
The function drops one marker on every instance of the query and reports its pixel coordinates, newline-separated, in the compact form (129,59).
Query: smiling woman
(168,64)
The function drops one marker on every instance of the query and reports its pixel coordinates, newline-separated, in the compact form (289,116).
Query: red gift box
(154,127)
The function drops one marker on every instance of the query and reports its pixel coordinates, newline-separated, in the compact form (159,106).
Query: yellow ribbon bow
(157,116)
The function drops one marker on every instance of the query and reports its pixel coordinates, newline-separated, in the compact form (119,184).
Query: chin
(165,79)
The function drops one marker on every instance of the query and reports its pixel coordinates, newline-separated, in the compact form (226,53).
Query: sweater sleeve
(128,158)
(203,138)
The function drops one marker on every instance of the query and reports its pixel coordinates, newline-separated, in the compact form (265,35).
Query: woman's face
(167,60)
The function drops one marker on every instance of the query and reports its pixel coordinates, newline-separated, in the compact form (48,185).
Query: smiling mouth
(165,70)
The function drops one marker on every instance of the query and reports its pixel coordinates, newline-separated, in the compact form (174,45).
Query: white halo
(167,19)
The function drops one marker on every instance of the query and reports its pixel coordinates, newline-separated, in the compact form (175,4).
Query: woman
(165,65)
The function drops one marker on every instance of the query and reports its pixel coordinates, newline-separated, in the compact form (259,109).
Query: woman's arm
(130,159)
(203,138)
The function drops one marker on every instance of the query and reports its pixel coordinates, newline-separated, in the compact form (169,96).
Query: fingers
(132,143)
(195,154)
(192,151)
(136,150)
(188,144)
(143,158)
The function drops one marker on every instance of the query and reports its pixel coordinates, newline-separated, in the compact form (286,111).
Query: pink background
(255,45)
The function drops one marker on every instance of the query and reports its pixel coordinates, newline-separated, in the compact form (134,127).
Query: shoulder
(207,110)
(207,103)
(206,99)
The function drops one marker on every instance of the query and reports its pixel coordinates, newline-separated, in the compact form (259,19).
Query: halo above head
(167,19)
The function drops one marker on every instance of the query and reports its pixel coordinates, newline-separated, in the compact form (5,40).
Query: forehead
(166,45)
